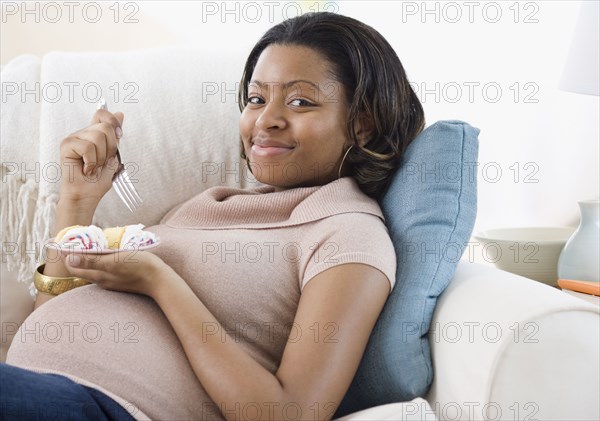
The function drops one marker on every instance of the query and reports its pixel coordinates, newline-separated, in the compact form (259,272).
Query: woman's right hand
(88,160)
(88,163)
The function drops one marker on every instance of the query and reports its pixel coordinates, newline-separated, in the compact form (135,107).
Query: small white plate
(73,250)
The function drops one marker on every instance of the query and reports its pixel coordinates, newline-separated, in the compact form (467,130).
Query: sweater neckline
(223,207)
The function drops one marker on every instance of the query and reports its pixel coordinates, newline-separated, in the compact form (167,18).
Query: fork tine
(127,187)
(119,183)
(117,187)
(131,188)
(126,191)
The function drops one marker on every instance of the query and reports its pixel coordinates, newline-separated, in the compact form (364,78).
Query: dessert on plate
(121,237)
(82,237)
(92,237)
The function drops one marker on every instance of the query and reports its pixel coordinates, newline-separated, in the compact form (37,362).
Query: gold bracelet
(55,285)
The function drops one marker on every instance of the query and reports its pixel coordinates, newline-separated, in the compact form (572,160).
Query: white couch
(504,347)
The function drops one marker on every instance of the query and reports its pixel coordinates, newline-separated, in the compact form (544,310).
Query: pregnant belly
(118,341)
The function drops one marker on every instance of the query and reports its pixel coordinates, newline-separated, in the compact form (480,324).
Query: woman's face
(294,125)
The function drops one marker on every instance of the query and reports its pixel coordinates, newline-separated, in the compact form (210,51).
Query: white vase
(580,258)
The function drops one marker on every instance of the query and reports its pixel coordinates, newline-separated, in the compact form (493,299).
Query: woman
(258,303)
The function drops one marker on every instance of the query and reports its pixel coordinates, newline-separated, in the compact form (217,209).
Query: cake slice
(129,235)
(82,237)
(113,236)
(64,231)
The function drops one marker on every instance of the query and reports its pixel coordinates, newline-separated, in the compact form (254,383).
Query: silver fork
(121,181)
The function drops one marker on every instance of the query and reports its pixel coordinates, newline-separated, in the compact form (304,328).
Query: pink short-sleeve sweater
(247,254)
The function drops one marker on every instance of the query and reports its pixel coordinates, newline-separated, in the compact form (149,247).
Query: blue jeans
(26,395)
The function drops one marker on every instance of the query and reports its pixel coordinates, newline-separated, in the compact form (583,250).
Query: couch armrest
(506,347)
(416,410)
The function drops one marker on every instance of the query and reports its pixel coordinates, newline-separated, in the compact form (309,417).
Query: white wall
(544,141)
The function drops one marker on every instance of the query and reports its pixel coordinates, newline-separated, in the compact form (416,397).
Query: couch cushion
(180,134)
(430,211)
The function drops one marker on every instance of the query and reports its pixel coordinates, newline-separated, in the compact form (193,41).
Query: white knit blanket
(180,134)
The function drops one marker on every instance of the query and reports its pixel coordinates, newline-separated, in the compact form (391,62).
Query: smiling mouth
(270,150)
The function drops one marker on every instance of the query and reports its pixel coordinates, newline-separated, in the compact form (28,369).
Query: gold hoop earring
(343,159)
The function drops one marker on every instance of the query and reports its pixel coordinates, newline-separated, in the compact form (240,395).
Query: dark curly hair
(375,84)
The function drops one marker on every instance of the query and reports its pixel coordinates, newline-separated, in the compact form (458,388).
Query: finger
(103,136)
(93,267)
(76,148)
(108,170)
(121,117)
(115,120)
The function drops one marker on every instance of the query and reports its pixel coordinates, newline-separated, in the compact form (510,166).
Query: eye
(299,102)
(255,100)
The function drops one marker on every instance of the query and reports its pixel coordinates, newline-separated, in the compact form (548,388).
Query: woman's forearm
(67,214)
(232,378)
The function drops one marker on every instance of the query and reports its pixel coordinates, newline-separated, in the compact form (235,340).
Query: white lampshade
(582,71)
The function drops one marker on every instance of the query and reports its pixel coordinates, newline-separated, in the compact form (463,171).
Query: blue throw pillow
(430,211)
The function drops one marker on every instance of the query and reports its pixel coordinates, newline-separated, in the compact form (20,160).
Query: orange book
(587,287)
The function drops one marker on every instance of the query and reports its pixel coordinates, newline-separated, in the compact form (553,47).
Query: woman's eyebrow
(286,85)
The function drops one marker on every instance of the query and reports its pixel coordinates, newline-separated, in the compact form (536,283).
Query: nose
(271,117)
